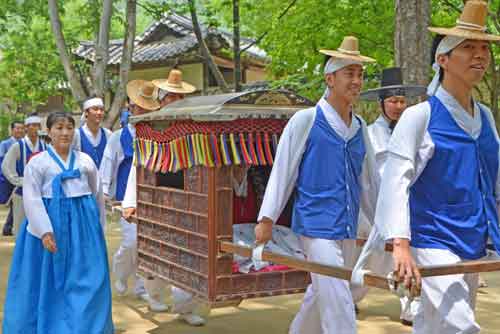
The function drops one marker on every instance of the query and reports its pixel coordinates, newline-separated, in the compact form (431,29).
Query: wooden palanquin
(185,160)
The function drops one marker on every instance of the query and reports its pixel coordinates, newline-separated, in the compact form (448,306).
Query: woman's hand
(49,242)
(405,267)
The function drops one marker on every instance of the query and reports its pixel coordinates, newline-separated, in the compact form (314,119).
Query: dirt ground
(379,310)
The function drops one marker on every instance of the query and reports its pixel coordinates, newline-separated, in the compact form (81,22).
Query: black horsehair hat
(392,85)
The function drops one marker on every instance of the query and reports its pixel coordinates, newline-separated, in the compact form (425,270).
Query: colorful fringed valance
(186,144)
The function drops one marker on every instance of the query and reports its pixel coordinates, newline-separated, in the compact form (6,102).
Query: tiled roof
(148,49)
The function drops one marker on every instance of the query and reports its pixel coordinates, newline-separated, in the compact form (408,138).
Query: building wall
(253,75)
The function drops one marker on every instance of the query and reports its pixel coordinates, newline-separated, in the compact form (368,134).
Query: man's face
(32,129)
(468,62)
(346,82)
(137,110)
(18,130)
(394,107)
(171,98)
(94,115)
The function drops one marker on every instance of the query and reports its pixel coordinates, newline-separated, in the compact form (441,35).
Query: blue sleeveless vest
(327,190)
(25,155)
(453,203)
(5,186)
(127,143)
(95,152)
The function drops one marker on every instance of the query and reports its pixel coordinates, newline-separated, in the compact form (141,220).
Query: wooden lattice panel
(179,232)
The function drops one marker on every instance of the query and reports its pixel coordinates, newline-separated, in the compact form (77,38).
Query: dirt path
(379,311)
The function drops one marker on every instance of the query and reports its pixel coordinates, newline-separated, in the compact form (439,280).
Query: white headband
(446,45)
(32,120)
(335,64)
(94,102)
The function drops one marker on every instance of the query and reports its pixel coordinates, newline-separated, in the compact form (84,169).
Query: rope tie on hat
(350,52)
(470,26)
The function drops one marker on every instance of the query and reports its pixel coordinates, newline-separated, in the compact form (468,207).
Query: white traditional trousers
(447,302)
(125,258)
(18,214)
(182,301)
(328,306)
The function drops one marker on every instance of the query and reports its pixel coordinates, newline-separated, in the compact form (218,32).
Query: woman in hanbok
(59,279)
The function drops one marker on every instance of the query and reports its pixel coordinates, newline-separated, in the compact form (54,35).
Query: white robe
(328,305)
(111,160)
(409,151)
(9,170)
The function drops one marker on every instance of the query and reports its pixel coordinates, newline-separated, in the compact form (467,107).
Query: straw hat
(349,49)
(471,24)
(392,84)
(144,94)
(174,83)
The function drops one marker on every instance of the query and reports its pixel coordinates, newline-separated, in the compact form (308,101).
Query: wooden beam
(468,267)
(313,267)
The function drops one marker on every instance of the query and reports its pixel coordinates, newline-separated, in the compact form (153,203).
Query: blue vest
(452,203)
(95,152)
(5,186)
(127,143)
(327,190)
(25,155)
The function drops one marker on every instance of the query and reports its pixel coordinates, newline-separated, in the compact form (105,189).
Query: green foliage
(293,41)
(30,70)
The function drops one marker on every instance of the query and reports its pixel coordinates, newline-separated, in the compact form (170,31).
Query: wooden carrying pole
(369,278)
(313,267)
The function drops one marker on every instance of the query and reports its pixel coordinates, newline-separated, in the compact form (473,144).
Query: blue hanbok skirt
(67,292)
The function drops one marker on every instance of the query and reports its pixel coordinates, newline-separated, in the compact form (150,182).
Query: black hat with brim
(392,85)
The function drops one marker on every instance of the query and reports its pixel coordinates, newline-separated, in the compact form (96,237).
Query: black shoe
(7,232)
(356,309)
(407,322)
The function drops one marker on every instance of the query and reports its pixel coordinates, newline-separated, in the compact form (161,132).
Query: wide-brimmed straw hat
(174,83)
(349,49)
(471,24)
(391,84)
(144,94)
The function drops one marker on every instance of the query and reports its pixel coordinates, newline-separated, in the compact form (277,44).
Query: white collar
(453,106)
(32,146)
(331,113)
(65,163)
(382,121)
(87,130)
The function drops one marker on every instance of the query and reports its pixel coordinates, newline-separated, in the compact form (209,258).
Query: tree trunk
(102,49)
(236,46)
(126,64)
(205,52)
(76,88)
(411,43)
(493,89)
